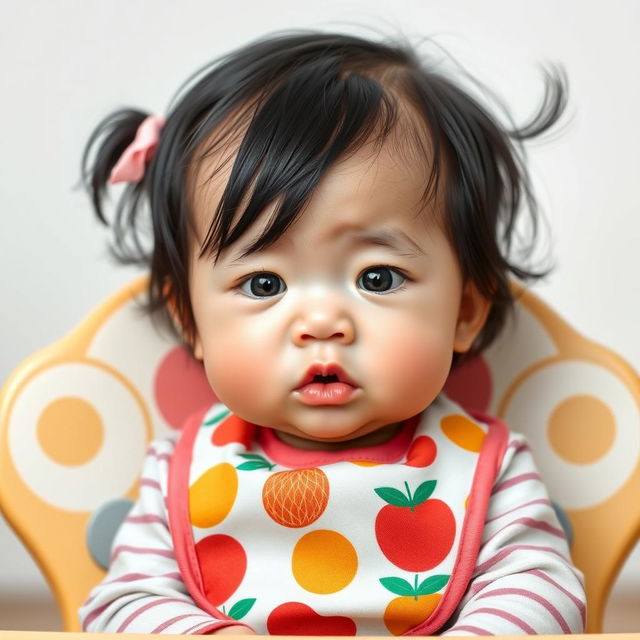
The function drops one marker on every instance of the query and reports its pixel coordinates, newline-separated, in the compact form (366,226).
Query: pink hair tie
(131,165)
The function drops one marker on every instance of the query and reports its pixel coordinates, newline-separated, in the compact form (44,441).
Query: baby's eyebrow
(395,239)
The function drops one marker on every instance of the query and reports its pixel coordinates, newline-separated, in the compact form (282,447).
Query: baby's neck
(380,436)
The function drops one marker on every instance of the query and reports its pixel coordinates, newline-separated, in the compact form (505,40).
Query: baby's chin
(357,436)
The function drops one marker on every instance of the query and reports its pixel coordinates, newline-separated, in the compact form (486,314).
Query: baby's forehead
(389,172)
(377,178)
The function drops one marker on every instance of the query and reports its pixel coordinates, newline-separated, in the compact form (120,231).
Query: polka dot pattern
(572,419)
(50,414)
(181,387)
(70,431)
(463,432)
(536,408)
(470,384)
(324,561)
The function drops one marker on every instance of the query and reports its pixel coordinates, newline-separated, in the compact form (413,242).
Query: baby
(332,223)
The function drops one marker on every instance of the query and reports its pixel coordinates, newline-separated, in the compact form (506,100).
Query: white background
(65,64)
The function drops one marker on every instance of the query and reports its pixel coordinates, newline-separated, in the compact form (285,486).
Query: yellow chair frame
(604,531)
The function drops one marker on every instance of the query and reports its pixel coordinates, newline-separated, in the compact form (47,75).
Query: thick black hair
(303,100)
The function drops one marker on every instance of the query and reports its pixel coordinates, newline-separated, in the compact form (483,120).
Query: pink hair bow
(131,165)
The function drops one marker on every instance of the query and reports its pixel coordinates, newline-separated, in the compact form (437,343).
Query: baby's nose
(322,325)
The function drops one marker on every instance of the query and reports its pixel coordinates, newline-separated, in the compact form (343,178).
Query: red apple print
(413,532)
(223,563)
(422,452)
(233,429)
(297,619)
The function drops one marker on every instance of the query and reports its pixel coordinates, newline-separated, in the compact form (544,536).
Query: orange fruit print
(296,498)
(415,533)
(415,604)
(404,613)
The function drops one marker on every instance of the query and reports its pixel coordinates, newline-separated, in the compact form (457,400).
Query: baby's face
(364,287)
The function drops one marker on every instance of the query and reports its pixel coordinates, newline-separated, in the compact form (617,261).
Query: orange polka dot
(70,431)
(463,432)
(572,419)
(324,561)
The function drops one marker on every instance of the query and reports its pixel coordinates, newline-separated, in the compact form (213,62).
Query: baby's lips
(326,369)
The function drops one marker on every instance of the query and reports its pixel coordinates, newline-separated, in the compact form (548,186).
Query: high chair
(76,419)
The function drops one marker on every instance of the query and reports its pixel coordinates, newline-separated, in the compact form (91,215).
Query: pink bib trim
(180,523)
(487,468)
(287,455)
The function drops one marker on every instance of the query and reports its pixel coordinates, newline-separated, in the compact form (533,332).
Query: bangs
(293,133)
(277,113)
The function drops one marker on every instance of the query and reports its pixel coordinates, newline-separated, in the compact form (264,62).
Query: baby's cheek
(417,364)
(234,372)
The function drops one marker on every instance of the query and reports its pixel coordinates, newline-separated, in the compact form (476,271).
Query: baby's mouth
(326,373)
(326,379)
(326,384)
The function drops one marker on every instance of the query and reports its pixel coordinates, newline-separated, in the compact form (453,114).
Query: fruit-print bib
(371,541)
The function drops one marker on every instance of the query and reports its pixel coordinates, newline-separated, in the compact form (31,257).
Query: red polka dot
(181,387)
(223,563)
(422,452)
(296,618)
(470,385)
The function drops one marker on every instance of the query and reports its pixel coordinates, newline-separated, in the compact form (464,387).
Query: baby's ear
(197,347)
(179,327)
(473,312)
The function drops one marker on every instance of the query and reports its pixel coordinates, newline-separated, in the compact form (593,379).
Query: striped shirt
(523,582)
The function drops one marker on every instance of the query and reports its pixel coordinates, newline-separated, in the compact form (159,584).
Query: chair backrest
(76,418)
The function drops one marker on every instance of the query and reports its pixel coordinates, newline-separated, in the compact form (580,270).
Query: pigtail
(552,107)
(101,153)
(518,188)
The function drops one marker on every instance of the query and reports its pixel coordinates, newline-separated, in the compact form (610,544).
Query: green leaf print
(424,491)
(398,586)
(216,419)
(255,461)
(241,608)
(393,496)
(432,584)
(253,465)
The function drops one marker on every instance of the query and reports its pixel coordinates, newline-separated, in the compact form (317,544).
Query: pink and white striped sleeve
(143,591)
(524,581)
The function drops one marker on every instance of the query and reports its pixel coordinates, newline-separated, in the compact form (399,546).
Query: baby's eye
(381,279)
(263,285)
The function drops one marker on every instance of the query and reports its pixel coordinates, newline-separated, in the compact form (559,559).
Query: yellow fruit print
(212,495)
(324,561)
(296,498)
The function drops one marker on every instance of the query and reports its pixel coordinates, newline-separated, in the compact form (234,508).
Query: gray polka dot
(564,521)
(102,528)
